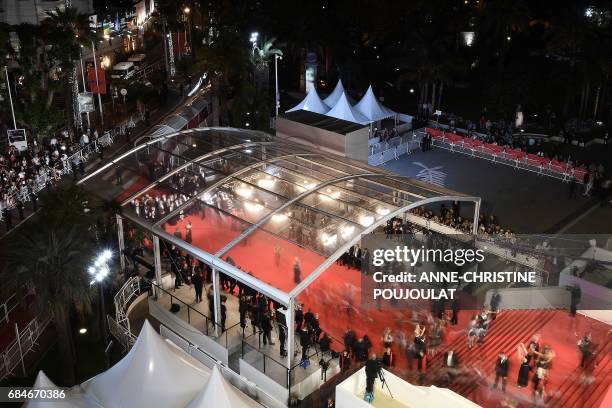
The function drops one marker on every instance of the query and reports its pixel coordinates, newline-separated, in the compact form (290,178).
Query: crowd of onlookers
(451,217)
(23,173)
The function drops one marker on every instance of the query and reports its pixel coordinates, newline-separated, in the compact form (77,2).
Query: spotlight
(366,220)
(382,211)
(346,231)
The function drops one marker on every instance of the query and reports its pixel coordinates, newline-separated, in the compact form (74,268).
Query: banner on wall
(93,84)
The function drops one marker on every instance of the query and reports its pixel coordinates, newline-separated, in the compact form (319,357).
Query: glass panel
(211,229)
(244,200)
(270,183)
(320,232)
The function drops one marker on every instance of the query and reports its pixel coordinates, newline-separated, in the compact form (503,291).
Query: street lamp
(99,271)
(253,40)
(187,10)
(277,98)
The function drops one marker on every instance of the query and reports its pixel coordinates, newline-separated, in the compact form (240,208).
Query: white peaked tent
(152,374)
(343,110)
(218,392)
(312,102)
(371,108)
(73,400)
(333,97)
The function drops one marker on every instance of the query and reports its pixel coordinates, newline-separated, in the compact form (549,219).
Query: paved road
(522,200)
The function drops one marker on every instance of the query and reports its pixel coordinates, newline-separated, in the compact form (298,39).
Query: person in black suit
(282,338)
(502,366)
(372,369)
(266,325)
(198,284)
(349,340)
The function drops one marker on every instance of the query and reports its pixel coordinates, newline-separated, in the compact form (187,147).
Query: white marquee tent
(218,392)
(312,102)
(371,108)
(152,374)
(343,110)
(333,97)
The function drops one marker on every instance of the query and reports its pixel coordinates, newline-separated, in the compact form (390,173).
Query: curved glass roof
(244,191)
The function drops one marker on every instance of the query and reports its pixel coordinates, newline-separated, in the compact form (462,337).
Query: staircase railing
(129,291)
(25,339)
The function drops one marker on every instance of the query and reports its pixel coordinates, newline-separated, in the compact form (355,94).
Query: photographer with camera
(372,370)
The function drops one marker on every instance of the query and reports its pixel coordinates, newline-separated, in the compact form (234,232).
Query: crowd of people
(23,173)
(450,217)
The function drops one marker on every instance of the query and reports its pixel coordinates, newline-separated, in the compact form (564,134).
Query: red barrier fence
(515,157)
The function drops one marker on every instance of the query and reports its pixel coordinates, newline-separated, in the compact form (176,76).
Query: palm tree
(226,61)
(68,29)
(50,254)
(261,61)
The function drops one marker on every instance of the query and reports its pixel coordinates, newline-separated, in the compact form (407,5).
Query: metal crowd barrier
(524,163)
(392,149)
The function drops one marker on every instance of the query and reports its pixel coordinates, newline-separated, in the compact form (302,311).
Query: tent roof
(312,102)
(153,373)
(333,97)
(42,381)
(343,110)
(371,108)
(218,392)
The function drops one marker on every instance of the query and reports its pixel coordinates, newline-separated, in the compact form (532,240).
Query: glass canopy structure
(280,194)
(253,207)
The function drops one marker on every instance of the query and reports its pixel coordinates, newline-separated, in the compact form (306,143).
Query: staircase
(575,394)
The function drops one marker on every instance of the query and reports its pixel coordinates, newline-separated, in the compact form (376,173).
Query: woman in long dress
(523,375)
(297,271)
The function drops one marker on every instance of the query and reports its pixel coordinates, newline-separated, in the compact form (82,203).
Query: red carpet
(336,296)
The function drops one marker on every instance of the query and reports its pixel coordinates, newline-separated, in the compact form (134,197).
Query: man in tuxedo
(502,366)
(198,285)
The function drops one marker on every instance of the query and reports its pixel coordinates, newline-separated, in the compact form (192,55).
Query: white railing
(383,152)
(237,380)
(121,333)
(25,340)
(129,291)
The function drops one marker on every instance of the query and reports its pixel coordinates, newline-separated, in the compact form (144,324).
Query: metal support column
(217,301)
(290,333)
(120,242)
(157,260)
(476,215)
